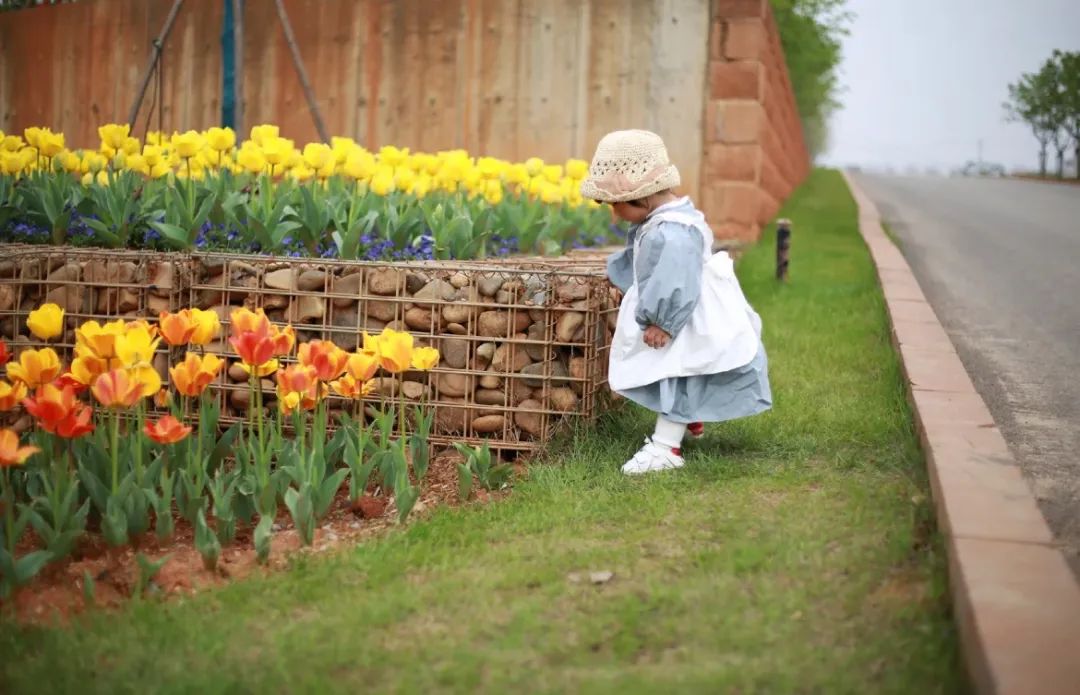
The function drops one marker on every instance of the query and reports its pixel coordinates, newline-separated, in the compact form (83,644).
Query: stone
(206,298)
(538,315)
(155,305)
(510,358)
(572,290)
(348,285)
(504,297)
(385,386)
(127,301)
(456,329)
(162,278)
(434,291)
(539,350)
(519,391)
(7,297)
(398,326)
(488,424)
(306,309)
(453,385)
(489,381)
(69,298)
(489,285)
(414,282)
(554,368)
(237,373)
(284,279)
(459,280)
(311,281)
(577,367)
(457,313)
(485,352)
(455,352)
(69,272)
(7,269)
(415,391)
(449,419)
(567,326)
(109,272)
(494,324)
(531,422)
(240,399)
(383,311)
(386,282)
(275,301)
(421,320)
(490,397)
(563,399)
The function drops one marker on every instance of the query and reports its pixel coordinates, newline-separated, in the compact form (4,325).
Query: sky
(924,80)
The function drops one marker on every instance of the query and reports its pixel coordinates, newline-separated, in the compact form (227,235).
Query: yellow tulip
(489,167)
(550,193)
(395,350)
(113,134)
(137,163)
(360,165)
(362,365)
(302,173)
(11,143)
(392,156)
(425,358)
(35,367)
(422,186)
(11,395)
(265,369)
(188,144)
(382,182)
(160,169)
(99,340)
(207,326)
(131,146)
(86,368)
(277,151)
(327,170)
(317,155)
(46,322)
(404,178)
(33,136)
(155,137)
(251,160)
(577,168)
(11,163)
(493,192)
(553,173)
(342,148)
(221,139)
(51,144)
(93,162)
(516,173)
(534,166)
(262,133)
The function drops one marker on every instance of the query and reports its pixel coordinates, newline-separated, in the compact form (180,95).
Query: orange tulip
(162,398)
(11,454)
(99,340)
(5,356)
(76,423)
(68,379)
(284,340)
(253,348)
(85,368)
(167,430)
(348,387)
(328,360)
(117,389)
(195,373)
(35,367)
(11,394)
(248,321)
(177,329)
(362,365)
(298,387)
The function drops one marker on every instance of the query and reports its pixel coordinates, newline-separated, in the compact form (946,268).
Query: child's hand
(656,337)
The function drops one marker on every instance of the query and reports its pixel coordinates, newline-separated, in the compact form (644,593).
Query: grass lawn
(794,553)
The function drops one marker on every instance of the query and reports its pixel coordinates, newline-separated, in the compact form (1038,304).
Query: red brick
(724,9)
(739,203)
(772,182)
(767,207)
(716,41)
(744,39)
(733,162)
(740,79)
(734,121)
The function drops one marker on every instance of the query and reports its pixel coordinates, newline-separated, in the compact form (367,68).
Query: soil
(57,593)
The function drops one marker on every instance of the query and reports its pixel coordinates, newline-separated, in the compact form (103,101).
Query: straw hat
(628,165)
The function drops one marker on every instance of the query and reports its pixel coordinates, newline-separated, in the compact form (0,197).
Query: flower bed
(262,384)
(200,191)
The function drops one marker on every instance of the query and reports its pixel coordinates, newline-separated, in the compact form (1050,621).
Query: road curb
(1016,602)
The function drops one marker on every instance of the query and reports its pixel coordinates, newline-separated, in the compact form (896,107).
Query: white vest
(723,333)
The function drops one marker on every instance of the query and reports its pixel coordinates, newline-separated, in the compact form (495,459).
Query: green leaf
(465,481)
(173,234)
(27,566)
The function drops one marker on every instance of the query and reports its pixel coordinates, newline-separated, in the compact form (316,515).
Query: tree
(1068,63)
(1029,103)
(811,31)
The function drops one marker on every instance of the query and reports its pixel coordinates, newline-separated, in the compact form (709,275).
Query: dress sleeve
(620,265)
(669,277)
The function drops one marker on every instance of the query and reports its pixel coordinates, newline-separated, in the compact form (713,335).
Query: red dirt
(56,594)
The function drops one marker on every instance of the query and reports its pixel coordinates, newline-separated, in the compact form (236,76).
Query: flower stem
(114,439)
(9,513)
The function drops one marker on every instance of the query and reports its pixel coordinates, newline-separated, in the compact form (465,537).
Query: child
(687,345)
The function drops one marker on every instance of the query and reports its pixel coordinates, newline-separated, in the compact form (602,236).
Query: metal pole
(783,244)
(238,68)
(298,63)
(155,54)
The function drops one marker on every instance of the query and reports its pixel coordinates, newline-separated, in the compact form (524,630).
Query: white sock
(669,433)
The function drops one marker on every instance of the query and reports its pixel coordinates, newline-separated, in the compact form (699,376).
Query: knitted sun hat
(628,165)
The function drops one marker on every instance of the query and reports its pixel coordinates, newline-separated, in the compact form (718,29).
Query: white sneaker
(653,457)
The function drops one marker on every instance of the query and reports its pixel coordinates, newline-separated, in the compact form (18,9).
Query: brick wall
(754,151)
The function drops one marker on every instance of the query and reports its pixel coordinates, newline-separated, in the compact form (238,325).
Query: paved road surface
(999,261)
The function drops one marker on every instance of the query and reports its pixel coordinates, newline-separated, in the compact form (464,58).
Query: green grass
(794,553)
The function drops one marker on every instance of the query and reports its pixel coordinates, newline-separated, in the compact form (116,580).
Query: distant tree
(1068,63)
(811,31)
(1029,103)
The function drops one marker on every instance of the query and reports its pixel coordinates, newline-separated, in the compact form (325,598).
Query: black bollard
(783,243)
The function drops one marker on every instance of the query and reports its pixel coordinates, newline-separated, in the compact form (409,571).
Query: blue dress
(669,283)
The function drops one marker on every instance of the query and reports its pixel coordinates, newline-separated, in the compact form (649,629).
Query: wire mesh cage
(523,342)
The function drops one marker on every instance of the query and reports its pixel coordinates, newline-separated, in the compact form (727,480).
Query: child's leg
(662,452)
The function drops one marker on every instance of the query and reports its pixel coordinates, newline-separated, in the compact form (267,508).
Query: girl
(687,344)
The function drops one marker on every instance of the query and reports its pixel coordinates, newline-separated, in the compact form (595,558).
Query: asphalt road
(999,261)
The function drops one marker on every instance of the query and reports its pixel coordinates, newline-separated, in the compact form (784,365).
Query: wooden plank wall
(510,78)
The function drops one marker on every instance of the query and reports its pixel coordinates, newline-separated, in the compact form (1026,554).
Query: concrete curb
(1015,600)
